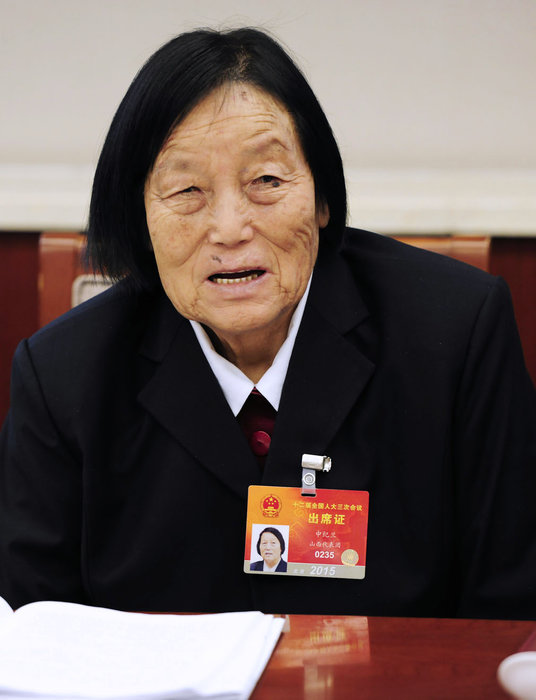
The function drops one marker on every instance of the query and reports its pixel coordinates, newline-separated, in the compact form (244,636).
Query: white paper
(5,609)
(66,650)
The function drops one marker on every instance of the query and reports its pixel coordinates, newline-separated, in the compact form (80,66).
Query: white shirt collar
(265,566)
(234,383)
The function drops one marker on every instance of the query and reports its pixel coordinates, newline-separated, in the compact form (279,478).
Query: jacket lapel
(184,396)
(326,375)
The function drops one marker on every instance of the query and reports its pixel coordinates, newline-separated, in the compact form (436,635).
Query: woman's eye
(175,193)
(269,180)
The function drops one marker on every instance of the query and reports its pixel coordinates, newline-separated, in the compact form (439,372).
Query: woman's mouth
(236,277)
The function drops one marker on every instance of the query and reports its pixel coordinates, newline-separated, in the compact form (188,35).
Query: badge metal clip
(310,465)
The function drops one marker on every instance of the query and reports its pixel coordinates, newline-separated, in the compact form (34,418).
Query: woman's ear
(322,214)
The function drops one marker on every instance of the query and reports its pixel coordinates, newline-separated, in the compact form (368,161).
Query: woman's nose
(231,224)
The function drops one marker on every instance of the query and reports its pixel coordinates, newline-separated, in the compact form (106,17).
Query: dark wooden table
(392,658)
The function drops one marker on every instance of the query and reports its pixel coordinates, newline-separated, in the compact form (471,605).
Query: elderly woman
(270,547)
(219,205)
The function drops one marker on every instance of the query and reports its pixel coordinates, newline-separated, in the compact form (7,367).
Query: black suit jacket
(259,566)
(124,474)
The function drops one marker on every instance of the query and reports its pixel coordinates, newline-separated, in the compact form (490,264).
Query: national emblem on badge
(270,506)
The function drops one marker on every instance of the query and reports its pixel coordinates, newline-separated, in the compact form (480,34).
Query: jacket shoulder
(385,252)
(389,269)
(93,349)
(93,319)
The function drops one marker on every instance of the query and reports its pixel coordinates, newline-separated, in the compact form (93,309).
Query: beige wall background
(433,101)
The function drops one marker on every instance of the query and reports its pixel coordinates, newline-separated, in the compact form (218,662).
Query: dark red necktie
(257,418)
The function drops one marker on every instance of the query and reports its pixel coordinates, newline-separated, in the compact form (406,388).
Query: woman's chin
(254,320)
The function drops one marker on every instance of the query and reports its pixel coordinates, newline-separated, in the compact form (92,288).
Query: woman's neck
(253,352)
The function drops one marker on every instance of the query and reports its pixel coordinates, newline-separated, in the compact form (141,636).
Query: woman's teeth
(236,278)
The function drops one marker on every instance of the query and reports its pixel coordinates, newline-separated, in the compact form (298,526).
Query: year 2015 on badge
(291,534)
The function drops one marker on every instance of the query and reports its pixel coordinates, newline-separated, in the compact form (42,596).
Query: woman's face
(231,212)
(270,548)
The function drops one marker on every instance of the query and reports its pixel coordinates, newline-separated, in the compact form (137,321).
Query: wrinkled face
(270,548)
(231,213)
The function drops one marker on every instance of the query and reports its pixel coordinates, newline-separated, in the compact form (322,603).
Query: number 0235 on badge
(288,533)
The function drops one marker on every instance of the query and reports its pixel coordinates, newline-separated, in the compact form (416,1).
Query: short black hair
(273,531)
(170,84)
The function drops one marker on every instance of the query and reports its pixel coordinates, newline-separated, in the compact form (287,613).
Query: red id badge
(288,533)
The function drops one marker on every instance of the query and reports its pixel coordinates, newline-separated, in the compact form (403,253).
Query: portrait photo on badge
(269,545)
